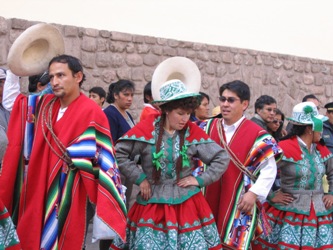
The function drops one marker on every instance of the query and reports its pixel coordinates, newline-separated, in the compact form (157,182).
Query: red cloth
(226,187)
(44,165)
(148,111)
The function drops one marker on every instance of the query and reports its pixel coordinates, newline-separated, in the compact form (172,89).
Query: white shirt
(268,170)
(11,90)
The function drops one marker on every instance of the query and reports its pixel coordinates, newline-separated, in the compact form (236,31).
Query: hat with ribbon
(175,78)
(306,113)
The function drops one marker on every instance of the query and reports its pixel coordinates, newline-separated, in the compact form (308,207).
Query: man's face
(64,84)
(202,111)
(232,108)
(268,112)
(96,98)
(329,114)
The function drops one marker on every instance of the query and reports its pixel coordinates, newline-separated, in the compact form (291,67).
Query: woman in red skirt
(300,213)
(170,211)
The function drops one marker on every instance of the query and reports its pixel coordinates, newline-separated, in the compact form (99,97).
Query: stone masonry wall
(108,56)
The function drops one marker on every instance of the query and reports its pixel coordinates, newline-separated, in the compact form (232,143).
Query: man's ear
(78,76)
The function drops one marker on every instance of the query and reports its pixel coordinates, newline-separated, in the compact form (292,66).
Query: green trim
(170,201)
(200,181)
(141,178)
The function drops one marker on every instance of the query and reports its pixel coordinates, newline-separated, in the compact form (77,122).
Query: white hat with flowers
(175,78)
(306,113)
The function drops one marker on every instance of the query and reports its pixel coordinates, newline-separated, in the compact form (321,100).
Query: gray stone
(89,44)
(134,60)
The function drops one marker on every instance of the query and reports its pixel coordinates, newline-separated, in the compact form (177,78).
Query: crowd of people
(206,181)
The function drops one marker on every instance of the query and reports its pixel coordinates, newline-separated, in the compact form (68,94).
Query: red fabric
(144,129)
(12,156)
(241,143)
(44,165)
(291,149)
(147,112)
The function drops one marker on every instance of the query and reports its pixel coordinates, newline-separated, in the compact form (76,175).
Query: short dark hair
(117,87)
(99,91)
(43,78)
(262,101)
(147,91)
(241,89)
(74,64)
(203,96)
(310,96)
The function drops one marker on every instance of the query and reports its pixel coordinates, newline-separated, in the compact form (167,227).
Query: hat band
(171,89)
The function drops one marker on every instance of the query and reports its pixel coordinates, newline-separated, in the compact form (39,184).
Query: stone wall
(108,56)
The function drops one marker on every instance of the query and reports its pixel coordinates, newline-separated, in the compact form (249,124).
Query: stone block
(102,44)
(238,59)
(137,74)
(143,48)
(150,60)
(167,51)
(109,76)
(4,28)
(124,73)
(71,31)
(88,60)
(89,44)
(134,60)
(138,39)
(116,46)
(157,50)
(102,59)
(227,57)
(116,60)
(173,43)
(150,39)
(123,37)
(191,54)
(130,48)
(203,55)
(105,33)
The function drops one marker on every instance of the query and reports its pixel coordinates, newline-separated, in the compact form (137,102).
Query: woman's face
(124,99)
(202,112)
(177,119)
(276,123)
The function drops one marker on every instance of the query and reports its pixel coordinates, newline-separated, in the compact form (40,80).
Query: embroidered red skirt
(296,231)
(189,225)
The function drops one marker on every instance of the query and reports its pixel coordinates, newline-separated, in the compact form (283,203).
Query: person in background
(307,98)
(170,211)
(236,197)
(265,110)
(97,94)
(149,108)
(303,219)
(202,111)
(120,96)
(275,127)
(4,117)
(328,127)
(71,162)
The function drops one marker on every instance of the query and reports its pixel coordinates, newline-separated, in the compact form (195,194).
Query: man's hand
(246,203)
(282,198)
(145,190)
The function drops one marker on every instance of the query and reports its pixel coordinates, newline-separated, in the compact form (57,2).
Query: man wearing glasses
(235,198)
(265,110)
(328,127)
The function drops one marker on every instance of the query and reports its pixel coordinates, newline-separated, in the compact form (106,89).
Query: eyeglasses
(277,121)
(271,110)
(228,99)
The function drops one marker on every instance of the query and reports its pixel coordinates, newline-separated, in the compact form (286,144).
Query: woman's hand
(328,200)
(247,201)
(145,190)
(282,198)
(188,181)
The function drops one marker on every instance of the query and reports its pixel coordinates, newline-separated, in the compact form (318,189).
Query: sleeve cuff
(140,179)
(200,181)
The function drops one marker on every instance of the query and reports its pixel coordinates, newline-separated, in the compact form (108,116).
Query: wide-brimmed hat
(32,51)
(175,78)
(306,113)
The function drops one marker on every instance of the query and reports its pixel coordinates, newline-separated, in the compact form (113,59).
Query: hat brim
(32,51)
(180,68)
(177,97)
(320,117)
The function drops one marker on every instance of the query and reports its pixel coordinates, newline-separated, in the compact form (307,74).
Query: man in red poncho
(71,164)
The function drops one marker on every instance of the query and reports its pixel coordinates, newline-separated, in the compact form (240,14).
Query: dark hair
(117,87)
(241,89)
(262,101)
(277,134)
(99,91)
(188,103)
(202,96)
(73,63)
(147,91)
(43,78)
(296,130)
(310,96)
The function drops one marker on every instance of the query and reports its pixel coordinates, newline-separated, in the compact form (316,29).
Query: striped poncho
(52,199)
